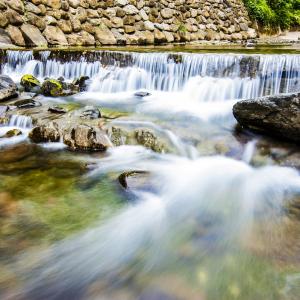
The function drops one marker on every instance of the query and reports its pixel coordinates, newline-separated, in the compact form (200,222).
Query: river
(214,215)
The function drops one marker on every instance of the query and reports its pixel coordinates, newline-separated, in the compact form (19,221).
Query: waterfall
(208,77)
(20,121)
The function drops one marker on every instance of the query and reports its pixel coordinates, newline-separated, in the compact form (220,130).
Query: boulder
(273,115)
(45,133)
(16,35)
(86,138)
(52,87)
(33,36)
(30,83)
(55,36)
(8,89)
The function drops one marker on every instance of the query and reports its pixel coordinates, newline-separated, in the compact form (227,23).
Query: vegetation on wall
(275,13)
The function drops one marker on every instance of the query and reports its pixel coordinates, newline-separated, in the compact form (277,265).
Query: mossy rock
(52,87)
(12,133)
(29,82)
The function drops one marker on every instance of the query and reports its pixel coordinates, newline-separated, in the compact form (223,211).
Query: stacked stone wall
(121,22)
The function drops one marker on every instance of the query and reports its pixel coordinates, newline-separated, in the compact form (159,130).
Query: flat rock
(275,115)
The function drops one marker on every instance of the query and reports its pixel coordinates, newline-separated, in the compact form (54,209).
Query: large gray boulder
(273,115)
(8,88)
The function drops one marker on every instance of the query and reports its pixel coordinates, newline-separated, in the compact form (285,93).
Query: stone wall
(120,22)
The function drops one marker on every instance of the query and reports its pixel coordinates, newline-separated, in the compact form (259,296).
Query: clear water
(213,220)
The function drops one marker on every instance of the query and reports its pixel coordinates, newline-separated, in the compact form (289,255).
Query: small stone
(12,133)
(57,110)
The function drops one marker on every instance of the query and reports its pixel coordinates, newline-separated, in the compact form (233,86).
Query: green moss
(29,81)
(52,87)
(181,28)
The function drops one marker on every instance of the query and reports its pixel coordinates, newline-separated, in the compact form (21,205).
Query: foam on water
(187,191)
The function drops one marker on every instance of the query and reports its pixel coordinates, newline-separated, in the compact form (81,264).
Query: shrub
(274,13)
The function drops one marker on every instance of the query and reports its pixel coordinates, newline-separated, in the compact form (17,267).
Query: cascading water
(208,227)
(20,121)
(235,76)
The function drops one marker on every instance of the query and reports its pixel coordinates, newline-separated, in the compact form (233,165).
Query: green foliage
(274,13)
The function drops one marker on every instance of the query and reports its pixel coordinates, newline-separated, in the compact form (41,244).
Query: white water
(203,85)
(190,189)
(23,123)
(186,193)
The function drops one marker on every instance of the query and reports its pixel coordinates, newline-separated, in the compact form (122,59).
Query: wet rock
(276,115)
(148,139)
(81,83)
(11,133)
(57,110)
(142,94)
(89,113)
(52,87)
(86,138)
(45,133)
(30,83)
(26,103)
(134,179)
(8,89)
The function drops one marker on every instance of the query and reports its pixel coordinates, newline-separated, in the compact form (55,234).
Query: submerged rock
(30,83)
(27,103)
(134,179)
(8,89)
(275,115)
(86,138)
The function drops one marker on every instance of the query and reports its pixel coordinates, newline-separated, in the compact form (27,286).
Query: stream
(215,215)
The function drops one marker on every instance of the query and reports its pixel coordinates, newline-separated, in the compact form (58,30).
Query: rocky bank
(43,23)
